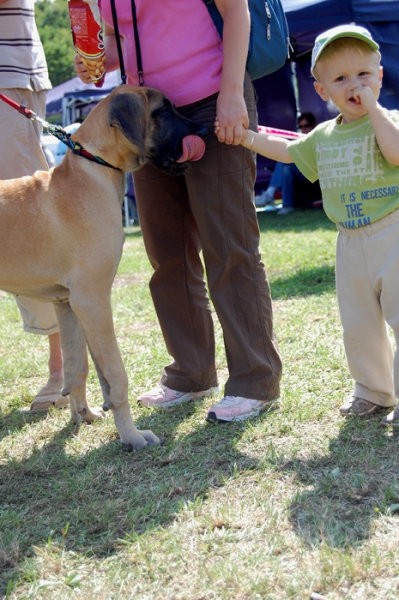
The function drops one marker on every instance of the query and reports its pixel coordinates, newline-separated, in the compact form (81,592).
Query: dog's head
(157,132)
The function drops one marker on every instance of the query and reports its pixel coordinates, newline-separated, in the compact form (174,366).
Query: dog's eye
(166,108)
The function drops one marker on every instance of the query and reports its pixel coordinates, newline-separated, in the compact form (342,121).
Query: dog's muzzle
(179,150)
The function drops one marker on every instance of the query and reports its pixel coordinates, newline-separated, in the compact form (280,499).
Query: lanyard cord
(139,59)
(118,42)
(140,72)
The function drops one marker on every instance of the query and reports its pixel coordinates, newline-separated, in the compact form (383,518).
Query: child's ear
(321,91)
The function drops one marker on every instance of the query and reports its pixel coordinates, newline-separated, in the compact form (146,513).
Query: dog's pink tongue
(193,148)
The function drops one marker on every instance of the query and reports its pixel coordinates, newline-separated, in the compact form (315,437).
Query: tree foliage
(54,27)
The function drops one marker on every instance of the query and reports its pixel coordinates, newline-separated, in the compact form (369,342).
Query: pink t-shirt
(180,47)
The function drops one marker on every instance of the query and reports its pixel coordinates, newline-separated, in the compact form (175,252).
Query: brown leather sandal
(358,407)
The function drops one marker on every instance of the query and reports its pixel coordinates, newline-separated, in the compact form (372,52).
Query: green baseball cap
(342,31)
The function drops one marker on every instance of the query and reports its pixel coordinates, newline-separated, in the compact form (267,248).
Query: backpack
(269,40)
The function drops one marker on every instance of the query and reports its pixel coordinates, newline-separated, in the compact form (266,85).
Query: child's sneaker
(163,397)
(237,408)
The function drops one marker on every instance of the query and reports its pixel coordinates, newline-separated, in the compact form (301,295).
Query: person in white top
(24,79)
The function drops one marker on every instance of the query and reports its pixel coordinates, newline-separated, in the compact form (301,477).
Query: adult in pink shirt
(210,208)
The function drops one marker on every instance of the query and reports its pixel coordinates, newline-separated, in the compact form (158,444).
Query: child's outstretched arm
(271,146)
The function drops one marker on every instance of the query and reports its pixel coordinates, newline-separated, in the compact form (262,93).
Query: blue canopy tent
(283,95)
(72,99)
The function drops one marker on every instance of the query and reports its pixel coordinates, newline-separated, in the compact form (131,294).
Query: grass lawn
(296,503)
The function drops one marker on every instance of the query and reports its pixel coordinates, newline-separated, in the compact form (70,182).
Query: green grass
(296,502)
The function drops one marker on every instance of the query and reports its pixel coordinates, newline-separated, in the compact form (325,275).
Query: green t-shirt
(358,185)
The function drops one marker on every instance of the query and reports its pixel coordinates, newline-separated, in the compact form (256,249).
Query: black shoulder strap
(139,60)
(118,41)
(140,72)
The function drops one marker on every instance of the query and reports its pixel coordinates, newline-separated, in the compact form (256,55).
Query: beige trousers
(367,271)
(21,154)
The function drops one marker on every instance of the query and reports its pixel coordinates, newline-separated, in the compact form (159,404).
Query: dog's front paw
(151,438)
(140,439)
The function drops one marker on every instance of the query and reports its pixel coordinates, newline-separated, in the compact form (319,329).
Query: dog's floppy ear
(128,113)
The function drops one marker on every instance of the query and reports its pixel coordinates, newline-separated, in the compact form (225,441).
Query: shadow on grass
(306,282)
(89,503)
(347,488)
(300,220)
(16,420)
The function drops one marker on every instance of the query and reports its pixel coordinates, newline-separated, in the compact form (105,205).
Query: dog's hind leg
(74,353)
(95,315)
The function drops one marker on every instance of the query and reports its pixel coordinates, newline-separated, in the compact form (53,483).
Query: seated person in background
(275,185)
(296,190)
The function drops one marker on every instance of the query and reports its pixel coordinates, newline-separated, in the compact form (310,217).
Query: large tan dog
(61,237)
